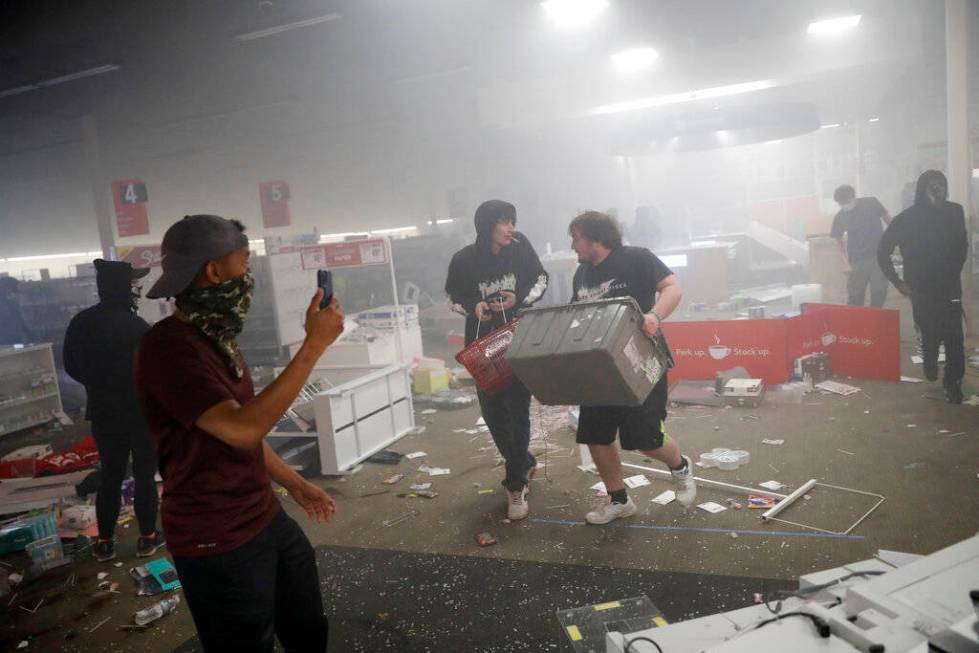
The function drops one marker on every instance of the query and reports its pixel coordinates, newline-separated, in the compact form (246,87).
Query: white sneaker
(611,511)
(517,507)
(686,487)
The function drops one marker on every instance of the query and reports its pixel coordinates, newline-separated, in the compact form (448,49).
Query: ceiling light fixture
(832,26)
(61,79)
(394,230)
(346,234)
(832,125)
(687,96)
(571,14)
(91,72)
(287,27)
(634,60)
(874,120)
(45,257)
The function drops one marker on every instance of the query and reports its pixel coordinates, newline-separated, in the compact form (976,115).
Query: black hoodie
(477,274)
(99,348)
(933,241)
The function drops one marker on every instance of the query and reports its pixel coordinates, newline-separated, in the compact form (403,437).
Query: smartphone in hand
(324,280)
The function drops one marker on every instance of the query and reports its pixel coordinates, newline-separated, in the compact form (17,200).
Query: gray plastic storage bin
(587,354)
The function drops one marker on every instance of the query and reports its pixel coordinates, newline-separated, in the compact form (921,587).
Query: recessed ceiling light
(570,14)
(833,25)
(687,96)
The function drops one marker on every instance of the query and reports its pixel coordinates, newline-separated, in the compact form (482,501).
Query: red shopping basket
(485,359)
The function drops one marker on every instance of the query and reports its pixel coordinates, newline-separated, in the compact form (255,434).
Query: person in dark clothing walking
(488,282)
(860,221)
(934,246)
(248,571)
(99,347)
(13,330)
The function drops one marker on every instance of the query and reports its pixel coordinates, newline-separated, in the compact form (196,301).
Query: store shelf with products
(29,393)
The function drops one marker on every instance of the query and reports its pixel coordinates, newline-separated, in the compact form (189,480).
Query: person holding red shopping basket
(488,282)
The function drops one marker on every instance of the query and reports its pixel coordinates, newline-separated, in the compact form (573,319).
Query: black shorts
(639,427)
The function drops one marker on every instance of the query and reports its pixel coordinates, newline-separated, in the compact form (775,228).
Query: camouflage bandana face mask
(219,312)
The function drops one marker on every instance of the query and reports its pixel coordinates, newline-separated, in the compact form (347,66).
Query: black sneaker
(931,370)
(953,393)
(147,545)
(104,550)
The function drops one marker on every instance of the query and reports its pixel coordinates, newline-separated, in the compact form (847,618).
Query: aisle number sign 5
(129,197)
(274,196)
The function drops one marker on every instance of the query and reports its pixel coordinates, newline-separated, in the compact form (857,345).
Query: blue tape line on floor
(829,536)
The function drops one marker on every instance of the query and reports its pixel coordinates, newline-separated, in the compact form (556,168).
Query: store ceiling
(426,65)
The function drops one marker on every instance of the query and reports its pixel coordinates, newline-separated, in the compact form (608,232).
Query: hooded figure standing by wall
(488,282)
(99,347)
(934,246)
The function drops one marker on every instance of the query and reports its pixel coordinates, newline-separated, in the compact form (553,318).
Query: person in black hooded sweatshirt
(934,246)
(488,282)
(100,344)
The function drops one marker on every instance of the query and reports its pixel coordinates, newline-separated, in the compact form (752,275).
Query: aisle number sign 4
(274,196)
(129,198)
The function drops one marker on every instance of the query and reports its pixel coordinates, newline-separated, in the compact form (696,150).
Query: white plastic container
(807,293)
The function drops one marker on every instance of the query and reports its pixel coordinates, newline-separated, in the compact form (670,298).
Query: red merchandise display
(84,454)
(702,349)
(862,343)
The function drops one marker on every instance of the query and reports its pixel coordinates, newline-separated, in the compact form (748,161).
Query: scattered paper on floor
(712,507)
(667,497)
(636,481)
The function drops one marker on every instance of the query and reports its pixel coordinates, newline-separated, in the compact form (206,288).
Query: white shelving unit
(359,411)
(29,393)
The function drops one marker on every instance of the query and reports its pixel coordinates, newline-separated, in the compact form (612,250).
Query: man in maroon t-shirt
(247,569)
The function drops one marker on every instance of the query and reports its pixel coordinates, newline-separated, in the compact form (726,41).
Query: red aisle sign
(274,196)
(345,255)
(129,198)
(702,349)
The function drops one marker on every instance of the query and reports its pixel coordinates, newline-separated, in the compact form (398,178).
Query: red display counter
(861,342)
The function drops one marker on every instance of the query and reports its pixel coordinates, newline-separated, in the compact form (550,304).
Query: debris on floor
(386,457)
(636,481)
(837,388)
(712,507)
(665,498)
(774,486)
(485,539)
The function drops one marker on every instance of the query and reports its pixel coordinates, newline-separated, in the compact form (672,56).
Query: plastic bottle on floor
(154,612)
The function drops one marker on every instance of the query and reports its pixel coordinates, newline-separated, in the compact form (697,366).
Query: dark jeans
(267,588)
(507,414)
(115,446)
(864,273)
(940,322)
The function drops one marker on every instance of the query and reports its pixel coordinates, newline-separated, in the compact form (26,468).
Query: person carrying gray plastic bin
(610,269)
(487,282)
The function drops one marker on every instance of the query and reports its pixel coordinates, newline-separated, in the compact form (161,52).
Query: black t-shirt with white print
(626,272)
